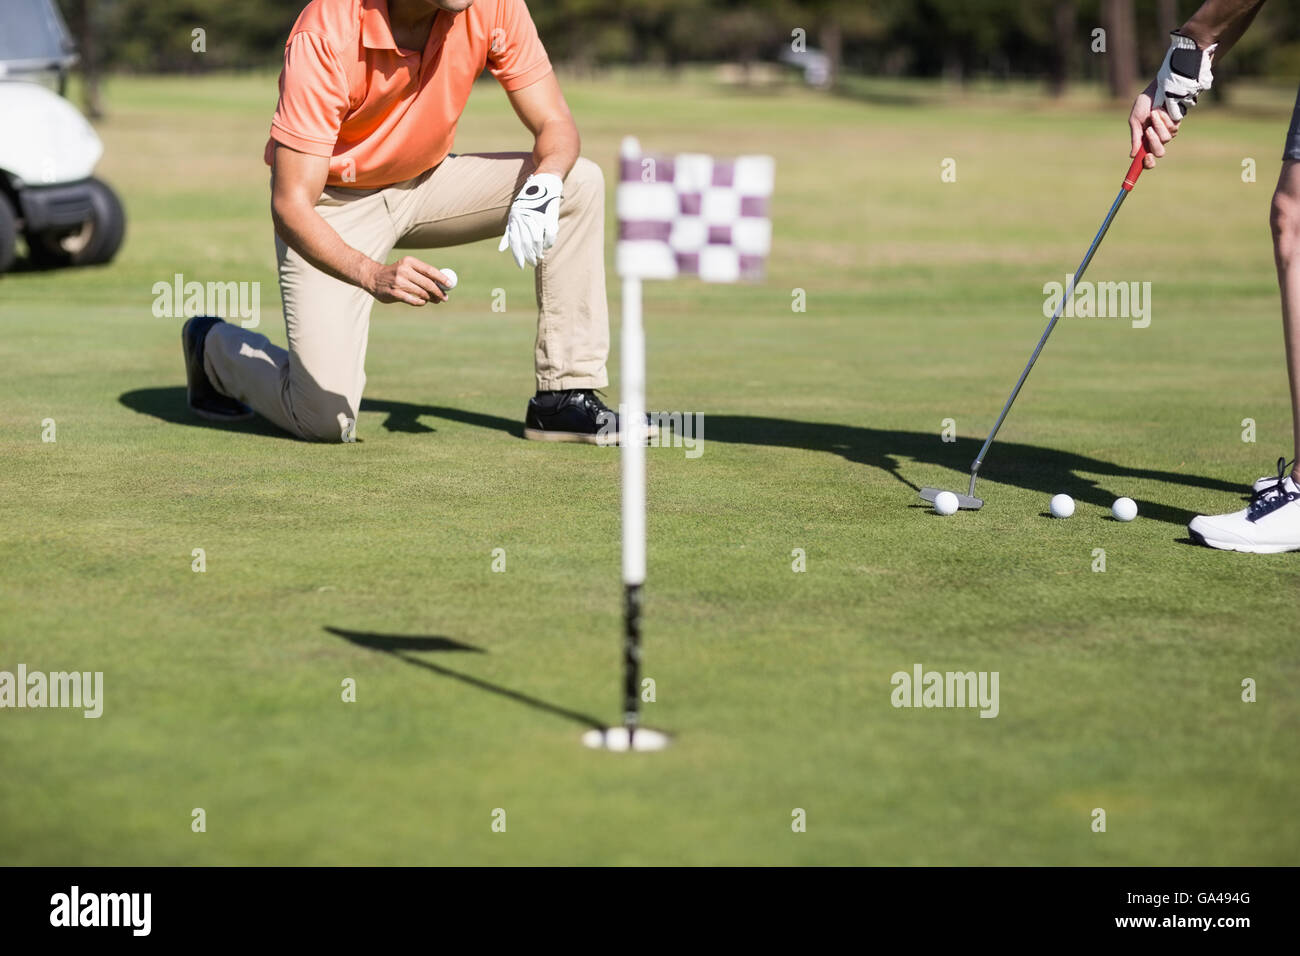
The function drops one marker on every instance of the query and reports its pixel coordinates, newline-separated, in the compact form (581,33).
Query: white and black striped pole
(632,440)
(632,462)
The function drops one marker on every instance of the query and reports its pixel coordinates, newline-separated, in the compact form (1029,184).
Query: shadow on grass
(1042,470)
(168,405)
(405,417)
(1030,467)
(402,647)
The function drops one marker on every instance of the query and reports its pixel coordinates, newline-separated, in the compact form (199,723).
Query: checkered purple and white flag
(693,215)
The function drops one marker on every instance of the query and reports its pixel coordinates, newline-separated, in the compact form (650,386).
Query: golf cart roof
(33,38)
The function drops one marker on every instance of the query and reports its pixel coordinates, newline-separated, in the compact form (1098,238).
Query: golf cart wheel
(92,243)
(8,234)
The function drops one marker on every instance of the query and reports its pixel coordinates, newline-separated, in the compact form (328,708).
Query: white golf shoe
(1268,525)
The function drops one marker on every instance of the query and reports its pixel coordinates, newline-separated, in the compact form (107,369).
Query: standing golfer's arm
(297,180)
(1217,21)
(541,107)
(1222,22)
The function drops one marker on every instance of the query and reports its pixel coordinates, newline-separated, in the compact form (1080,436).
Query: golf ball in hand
(451,279)
(1124,509)
(945,503)
(1062,506)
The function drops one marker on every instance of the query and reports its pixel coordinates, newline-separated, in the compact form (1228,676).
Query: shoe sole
(214,417)
(1242,548)
(583,438)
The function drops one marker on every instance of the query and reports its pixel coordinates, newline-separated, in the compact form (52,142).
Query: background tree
(84,25)
(1119,18)
(1065,45)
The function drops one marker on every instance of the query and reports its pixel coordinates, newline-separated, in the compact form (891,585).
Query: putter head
(964,502)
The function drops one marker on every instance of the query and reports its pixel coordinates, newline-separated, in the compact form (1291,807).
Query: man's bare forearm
(1222,22)
(557,147)
(304,231)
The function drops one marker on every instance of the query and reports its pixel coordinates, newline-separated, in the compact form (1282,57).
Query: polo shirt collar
(376,31)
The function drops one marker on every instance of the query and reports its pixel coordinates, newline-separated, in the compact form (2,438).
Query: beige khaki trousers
(314,388)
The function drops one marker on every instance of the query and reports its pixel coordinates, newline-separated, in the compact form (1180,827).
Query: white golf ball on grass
(945,503)
(1062,506)
(1124,509)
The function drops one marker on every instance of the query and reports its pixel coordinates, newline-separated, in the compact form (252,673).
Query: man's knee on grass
(319,426)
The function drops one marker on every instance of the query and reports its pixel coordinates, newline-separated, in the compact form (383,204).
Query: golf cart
(49,150)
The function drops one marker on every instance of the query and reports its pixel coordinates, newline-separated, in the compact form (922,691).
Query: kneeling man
(370,95)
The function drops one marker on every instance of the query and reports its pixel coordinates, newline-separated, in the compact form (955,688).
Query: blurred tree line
(959,39)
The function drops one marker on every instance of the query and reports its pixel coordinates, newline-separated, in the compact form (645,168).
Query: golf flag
(693,215)
(683,215)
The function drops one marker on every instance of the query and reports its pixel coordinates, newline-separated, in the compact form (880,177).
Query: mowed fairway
(1119,689)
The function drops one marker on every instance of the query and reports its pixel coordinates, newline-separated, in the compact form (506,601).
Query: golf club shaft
(1135,170)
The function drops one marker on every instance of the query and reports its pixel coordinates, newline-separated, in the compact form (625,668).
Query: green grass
(1119,690)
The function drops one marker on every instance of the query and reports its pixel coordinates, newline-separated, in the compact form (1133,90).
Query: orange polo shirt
(382,114)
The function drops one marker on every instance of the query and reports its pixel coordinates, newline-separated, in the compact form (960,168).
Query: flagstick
(632,452)
(646,207)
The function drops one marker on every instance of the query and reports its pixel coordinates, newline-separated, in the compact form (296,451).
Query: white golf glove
(1182,77)
(534,219)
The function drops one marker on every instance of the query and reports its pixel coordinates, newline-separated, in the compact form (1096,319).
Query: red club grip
(1135,170)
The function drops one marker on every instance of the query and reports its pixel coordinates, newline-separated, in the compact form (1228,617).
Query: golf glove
(534,219)
(1183,76)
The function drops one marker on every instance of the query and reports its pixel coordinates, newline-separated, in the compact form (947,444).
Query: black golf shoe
(203,398)
(575,415)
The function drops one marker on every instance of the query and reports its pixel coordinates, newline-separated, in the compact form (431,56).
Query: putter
(968,501)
